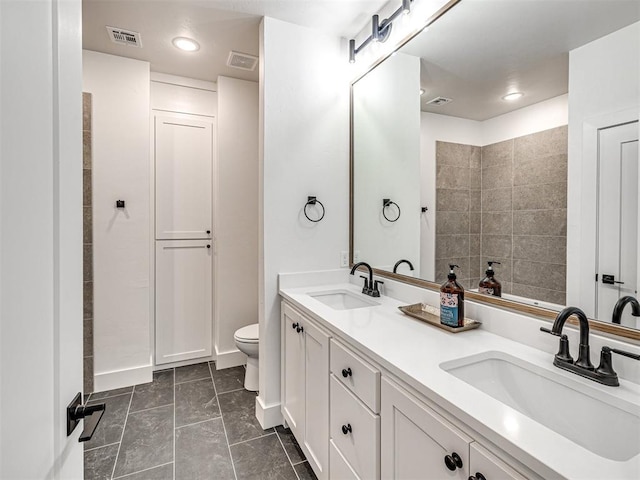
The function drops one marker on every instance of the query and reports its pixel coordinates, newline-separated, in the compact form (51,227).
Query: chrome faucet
(400,262)
(370,286)
(620,304)
(582,366)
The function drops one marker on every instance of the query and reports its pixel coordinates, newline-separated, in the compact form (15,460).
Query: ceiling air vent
(438,101)
(242,61)
(124,37)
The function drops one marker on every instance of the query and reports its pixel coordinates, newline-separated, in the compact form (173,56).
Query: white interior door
(40,237)
(183,174)
(184,296)
(617,219)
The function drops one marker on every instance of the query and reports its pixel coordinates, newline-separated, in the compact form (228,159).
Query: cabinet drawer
(357,375)
(339,468)
(360,446)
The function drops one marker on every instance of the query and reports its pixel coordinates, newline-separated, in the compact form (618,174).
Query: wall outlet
(356,256)
(344,259)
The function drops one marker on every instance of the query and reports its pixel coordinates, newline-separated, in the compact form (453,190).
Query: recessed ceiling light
(186,44)
(512,96)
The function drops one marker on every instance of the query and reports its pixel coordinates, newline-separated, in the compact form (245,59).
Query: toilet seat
(248,334)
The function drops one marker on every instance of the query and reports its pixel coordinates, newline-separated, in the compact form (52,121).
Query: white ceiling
(218,25)
(482,49)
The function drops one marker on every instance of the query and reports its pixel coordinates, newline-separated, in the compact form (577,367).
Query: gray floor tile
(195,402)
(238,411)
(154,394)
(110,427)
(228,379)
(192,372)
(163,472)
(290,444)
(262,458)
(98,463)
(147,441)
(202,452)
(110,393)
(304,471)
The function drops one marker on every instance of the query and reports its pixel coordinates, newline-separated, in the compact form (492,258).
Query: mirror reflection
(506,132)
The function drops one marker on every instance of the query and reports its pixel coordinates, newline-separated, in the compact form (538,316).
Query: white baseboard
(268,416)
(122,378)
(230,358)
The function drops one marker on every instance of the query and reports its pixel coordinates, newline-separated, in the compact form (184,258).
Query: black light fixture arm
(380,30)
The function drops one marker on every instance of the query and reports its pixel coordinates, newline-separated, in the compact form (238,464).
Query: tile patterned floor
(190,423)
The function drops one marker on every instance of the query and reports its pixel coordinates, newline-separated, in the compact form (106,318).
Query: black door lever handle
(92,414)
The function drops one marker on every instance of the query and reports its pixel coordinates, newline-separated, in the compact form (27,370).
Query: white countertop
(413,351)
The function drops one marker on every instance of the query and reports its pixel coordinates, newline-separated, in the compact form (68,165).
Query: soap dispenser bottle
(489,285)
(452,301)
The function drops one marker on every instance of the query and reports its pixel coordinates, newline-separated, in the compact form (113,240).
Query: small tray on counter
(416,311)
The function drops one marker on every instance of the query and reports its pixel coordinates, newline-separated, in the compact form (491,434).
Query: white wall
(181,94)
(386,143)
(304,150)
(605,90)
(524,121)
(236,205)
(121,238)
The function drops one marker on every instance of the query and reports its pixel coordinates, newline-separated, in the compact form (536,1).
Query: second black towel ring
(387,203)
(313,201)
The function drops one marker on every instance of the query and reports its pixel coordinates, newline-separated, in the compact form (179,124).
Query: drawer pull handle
(300,329)
(453,461)
(346,372)
(478,476)
(346,429)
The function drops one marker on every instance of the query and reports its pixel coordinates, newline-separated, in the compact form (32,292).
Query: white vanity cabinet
(305,386)
(484,464)
(417,442)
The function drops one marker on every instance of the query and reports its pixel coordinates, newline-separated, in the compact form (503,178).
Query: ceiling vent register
(438,101)
(124,37)
(242,61)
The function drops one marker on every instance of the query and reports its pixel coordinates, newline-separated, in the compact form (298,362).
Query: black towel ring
(313,201)
(387,203)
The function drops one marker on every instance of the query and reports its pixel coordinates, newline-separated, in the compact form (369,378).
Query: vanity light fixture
(510,97)
(380,30)
(186,44)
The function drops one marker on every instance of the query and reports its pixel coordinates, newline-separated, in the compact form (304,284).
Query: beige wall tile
(475,200)
(475,266)
(86,186)
(540,170)
(542,144)
(452,223)
(475,178)
(475,161)
(540,197)
(474,245)
(497,199)
(87,337)
(497,154)
(452,200)
(450,246)
(87,262)
(87,375)
(86,149)
(475,222)
(442,268)
(499,176)
(540,222)
(537,274)
(455,154)
(496,223)
(496,245)
(87,295)
(542,294)
(86,111)
(540,248)
(87,231)
(452,177)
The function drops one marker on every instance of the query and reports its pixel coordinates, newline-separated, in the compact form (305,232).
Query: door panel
(183,170)
(293,366)
(183,300)
(491,467)
(617,218)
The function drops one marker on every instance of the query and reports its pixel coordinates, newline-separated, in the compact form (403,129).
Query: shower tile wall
(458,205)
(506,202)
(87,255)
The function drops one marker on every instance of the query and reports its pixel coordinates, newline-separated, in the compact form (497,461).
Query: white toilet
(247,342)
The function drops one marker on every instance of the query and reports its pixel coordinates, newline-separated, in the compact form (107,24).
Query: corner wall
(304,131)
(121,242)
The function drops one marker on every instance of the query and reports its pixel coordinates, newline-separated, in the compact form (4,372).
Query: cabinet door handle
(208,246)
(294,325)
(346,372)
(453,461)
(300,329)
(208,232)
(478,476)
(346,429)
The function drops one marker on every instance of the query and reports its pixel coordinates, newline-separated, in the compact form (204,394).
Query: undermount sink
(342,299)
(604,424)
